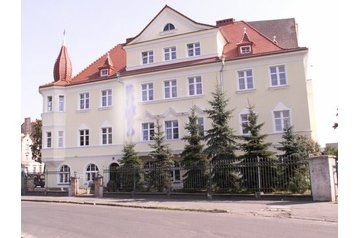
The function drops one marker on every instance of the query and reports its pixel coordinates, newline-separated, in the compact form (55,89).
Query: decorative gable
(168,22)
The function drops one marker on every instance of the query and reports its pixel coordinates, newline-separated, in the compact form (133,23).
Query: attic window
(246,49)
(104,72)
(169,27)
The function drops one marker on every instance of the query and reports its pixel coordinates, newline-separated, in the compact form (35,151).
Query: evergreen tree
(290,145)
(255,151)
(130,170)
(160,175)
(221,144)
(194,159)
(36,136)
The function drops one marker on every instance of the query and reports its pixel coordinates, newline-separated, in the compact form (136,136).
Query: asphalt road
(47,220)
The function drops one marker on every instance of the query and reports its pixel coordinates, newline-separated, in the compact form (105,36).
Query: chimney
(225,22)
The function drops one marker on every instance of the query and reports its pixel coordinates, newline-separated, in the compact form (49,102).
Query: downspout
(221,72)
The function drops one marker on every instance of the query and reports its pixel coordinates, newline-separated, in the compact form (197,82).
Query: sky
(95,26)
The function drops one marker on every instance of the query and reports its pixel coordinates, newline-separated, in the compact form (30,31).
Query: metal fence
(281,175)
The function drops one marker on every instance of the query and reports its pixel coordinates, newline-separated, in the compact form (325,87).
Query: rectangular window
(147,92)
(245,49)
(48,139)
(60,139)
(147,57)
(170,53)
(282,120)
(244,121)
(106,98)
(104,72)
(107,136)
(148,131)
(49,103)
(193,49)
(195,86)
(245,80)
(278,75)
(84,137)
(171,130)
(201,125)
(84,101)
(61,103)
(170,89)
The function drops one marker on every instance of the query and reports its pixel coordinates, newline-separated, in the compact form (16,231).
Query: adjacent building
(172,65)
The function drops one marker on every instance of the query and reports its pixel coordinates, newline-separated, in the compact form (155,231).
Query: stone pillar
(98,186)
(73,190)
(323,178)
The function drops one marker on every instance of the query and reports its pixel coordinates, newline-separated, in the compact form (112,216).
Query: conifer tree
(255,150)
(130,169)
(221,144)
(194,159)
(36,136)
(160,175)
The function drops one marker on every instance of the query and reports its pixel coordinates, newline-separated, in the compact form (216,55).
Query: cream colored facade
(128,111)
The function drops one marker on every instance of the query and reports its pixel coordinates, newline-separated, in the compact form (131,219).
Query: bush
(111,186)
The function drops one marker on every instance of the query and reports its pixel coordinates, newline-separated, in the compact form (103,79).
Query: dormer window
(246,49)
(104,72)
(169,27)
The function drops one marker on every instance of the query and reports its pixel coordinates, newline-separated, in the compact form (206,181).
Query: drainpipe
(221,72)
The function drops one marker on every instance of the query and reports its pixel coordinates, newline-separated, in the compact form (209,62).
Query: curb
(132,206)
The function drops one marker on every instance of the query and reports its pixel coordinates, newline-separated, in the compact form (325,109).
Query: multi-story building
(28,164)
(172,65)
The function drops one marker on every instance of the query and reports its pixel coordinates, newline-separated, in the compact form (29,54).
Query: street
(46,220)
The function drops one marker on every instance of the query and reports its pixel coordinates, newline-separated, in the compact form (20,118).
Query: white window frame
(84,101)
(64,173)
(91,172)
(170,89)
(200,122)
(176,172)
(193,49)
(106,135)
(147,57)
(195,84)
(85,137)
(244,121)
(169,27)
(170,53)
(61,103)
(171,129)
(106,98)
(48,139)
(281,122)
(147,92)
(60,139)
(243,77)
(148,130)
(279,74)
(104,72)
(49,103)
(245,49)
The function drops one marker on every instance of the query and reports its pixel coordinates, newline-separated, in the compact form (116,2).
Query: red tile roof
(232,31)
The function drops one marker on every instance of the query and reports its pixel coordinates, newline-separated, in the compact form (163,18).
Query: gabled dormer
(245,47)
(107,68)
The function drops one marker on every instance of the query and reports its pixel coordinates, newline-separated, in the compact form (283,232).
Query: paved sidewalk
(315,211)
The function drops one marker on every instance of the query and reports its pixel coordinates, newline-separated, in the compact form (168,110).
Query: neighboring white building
(173,64)
(27,163)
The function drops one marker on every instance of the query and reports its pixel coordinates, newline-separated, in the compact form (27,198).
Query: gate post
(323,178)
(74,186)
(98,186)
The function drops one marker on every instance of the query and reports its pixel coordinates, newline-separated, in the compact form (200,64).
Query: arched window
(64,174)
(91,172)
(169,27)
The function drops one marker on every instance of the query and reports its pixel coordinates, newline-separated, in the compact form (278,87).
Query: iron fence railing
(248,175)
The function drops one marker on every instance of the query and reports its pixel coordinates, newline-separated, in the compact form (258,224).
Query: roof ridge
(94,62)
